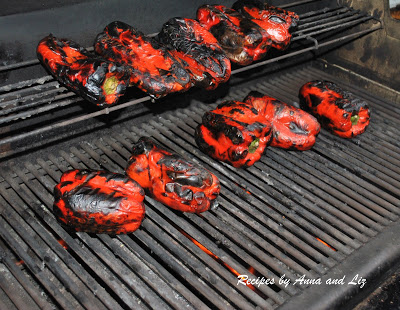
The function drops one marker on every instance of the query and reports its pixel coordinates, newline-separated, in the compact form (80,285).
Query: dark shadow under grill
(291,214)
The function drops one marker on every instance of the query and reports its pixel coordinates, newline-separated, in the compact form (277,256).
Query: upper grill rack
(32,99)
(292,213)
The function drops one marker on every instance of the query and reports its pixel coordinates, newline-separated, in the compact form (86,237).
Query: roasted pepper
(198,50)
(336,109)
(98,202)
(292,128)
(277,23)
(93,78)
(242,40)
(153,69)
(234,133)
(169,178)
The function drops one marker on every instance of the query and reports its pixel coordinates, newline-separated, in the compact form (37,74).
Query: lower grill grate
(291,214)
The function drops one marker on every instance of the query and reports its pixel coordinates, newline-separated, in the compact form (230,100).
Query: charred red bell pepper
(336,109)
(242,40)
(198,50)
(292,128)
(171,179)
(153,69)
(95,79)
(234,133)
(275,21)
(99,202)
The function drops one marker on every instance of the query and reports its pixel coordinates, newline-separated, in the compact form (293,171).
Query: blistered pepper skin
(99,81)
(293,128)
(276,22)
(171,179)
(153,68)
(234,133)
(242,40)
(336,109)
(198,50)
(98,202)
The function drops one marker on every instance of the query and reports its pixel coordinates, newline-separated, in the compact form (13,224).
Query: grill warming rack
(292,213)
(31,99)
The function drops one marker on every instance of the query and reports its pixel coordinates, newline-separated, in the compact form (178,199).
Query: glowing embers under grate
(291,214)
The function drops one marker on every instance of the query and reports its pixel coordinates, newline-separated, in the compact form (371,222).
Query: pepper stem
(354,119)
(110,85)
(254,145)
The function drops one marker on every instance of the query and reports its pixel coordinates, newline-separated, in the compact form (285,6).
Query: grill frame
(283,168)
(345,192)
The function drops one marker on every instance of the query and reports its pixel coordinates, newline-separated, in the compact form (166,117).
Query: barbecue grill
(302,217)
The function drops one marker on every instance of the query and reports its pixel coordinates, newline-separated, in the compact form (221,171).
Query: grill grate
(25,103)
(292,213)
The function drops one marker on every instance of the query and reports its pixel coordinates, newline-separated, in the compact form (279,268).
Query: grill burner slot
(291,213)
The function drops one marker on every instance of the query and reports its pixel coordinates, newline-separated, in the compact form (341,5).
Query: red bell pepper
(99,202)
(198,50)
(275,21)
(153,68)
(336,109)
(234,133)
(242,40)
(292,128)
(174,181)
(93,78)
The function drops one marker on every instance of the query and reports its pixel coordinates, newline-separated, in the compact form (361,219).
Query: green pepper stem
(354,119)
(254,145)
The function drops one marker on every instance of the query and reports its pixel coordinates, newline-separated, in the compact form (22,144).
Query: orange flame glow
(243,188)
(63,243)
(251,269)
(326,244)
(215,257)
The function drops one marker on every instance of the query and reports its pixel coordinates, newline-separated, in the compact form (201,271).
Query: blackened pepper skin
(99,81)
(98,202)
(293,128)
(153,68)
(276,22)
(171,179)
(198,50)
(242,40)
(336,109)
(234,133)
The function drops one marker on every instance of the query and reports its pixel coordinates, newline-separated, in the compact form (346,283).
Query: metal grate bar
(27,83)
(86,256)
(181,254)
(9,262)
(328,187)
(175,133)
(198,237)
(268,246)
(11,290)
(311,17)
(271,89)
(278,206)
(370,165)
(44,276)
(325,25)
(55,245)
(315,204)
(130,278)
(186,293)
(355,163)
(292,213)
